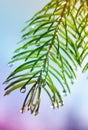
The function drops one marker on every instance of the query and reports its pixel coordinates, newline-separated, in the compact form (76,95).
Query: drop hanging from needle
(23,90)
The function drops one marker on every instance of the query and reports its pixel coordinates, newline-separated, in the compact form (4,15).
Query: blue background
(74,114)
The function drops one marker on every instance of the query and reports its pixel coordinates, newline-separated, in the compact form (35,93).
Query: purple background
(74,114)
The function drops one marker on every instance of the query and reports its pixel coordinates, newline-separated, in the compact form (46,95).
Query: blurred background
(72,116)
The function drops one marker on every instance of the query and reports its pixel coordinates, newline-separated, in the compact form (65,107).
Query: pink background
(74,114)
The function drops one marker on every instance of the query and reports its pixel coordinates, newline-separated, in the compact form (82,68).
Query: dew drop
(55,105)
(53,99)
(80,50)
(29,108)
(86,29)
(15,58)
(33,26)
(57,33)
(35,113)
(5,82)
(21,111)
(72,82)
(86,39)
(64,93)
(52,106)
(10,65)
(23,90)
(61,104)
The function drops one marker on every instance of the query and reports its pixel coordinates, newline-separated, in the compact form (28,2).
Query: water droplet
(86,39)
(10,65)
(15,58)
(72,82)
(29,108)
(55,105)
(52,106)
(5,82)
(80,50)
(33,26)
(86,29)
(35,113)
(61,103)
(64,93)
(57,33)
(23,90)
(64,3)
(21,111)
(53,99)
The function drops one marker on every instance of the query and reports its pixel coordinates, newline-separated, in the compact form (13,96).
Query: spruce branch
(54,42)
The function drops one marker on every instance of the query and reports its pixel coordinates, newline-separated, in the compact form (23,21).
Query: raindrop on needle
(23,90)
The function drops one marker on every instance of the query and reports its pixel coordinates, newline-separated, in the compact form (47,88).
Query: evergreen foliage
(54,43)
